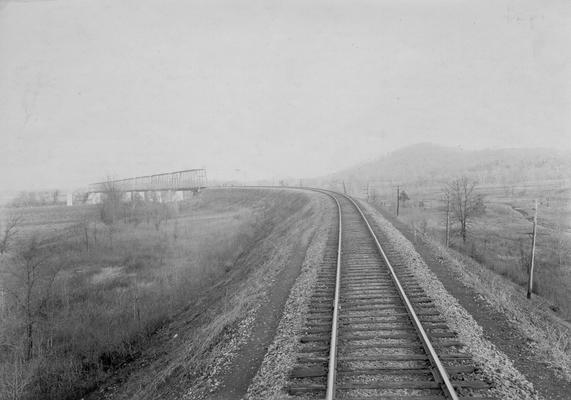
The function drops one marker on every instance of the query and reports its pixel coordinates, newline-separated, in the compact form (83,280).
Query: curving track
(371,332)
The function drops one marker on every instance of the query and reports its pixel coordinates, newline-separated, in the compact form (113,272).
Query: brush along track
(381,347)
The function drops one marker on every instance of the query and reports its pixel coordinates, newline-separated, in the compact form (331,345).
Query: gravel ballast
(526,330)
(507,381)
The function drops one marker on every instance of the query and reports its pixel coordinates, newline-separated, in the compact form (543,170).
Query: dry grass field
(99,291)
(500,238)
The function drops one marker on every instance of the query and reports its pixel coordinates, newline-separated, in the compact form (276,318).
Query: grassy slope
(106,302)
(244,300)
(500,238)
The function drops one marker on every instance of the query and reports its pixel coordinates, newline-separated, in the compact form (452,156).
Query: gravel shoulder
(271,378)
(515,342)
(247,360)
(242,357)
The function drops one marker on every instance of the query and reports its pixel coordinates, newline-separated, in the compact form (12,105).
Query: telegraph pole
(398,199)
(530,281)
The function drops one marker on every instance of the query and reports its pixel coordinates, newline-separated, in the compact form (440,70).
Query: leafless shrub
(81,231)
(10,231)
(14,379)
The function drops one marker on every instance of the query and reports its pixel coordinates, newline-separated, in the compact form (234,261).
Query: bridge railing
(192,179)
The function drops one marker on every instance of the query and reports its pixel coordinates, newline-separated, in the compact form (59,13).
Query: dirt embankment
(215,347)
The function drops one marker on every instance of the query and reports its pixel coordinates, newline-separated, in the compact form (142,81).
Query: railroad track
(371,332)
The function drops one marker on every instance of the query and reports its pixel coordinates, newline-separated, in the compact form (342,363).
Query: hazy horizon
(266,90)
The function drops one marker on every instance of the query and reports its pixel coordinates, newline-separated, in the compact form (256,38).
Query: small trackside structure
(165,187)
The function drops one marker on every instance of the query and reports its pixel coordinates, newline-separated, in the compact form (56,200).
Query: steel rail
(332,366)
(435,360)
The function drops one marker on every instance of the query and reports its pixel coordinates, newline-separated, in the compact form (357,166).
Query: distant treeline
(38,198)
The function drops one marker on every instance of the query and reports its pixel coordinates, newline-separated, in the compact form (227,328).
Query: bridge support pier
(94,198)
(154,196)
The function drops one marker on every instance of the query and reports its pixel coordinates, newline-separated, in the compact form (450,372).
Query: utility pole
(447,220)
(398,199)
(530,281)
(344,188)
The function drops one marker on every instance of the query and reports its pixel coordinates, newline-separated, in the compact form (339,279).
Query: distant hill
(427,163)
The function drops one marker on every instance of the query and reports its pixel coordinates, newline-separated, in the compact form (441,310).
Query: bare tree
(465,203)
(9,232)
(110,208)
(28,280)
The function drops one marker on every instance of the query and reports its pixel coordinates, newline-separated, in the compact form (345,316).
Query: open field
(500,238)
(102,290)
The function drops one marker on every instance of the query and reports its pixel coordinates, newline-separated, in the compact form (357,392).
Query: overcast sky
(90,88)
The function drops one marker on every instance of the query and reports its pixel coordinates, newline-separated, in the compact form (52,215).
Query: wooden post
(447,220)
(530,281)
(398,199)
